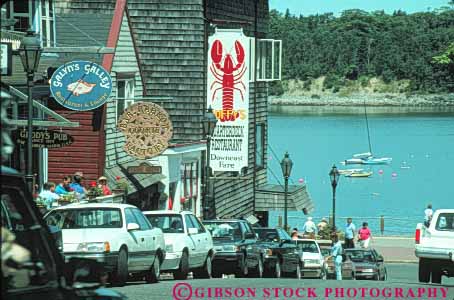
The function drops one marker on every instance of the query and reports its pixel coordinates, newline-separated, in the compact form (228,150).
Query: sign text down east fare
(81,85)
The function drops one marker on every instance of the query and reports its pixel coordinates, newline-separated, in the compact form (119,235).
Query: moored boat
(359,174)
(377,161)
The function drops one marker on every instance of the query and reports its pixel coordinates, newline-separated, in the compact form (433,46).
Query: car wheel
(298,271)
(353,276)
(436,276)
(120,275)
(323,274)
(206,271)
(243,271)
(258,271)
(155,271)
(277,270)
(385,276)
(377,276)
(183,269)
(424,270)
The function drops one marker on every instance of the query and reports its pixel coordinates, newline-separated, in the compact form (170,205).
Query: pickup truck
(434,246)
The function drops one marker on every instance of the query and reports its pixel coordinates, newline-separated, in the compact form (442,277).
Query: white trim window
(47,23)
(35,14)
(269,59)
(125,94)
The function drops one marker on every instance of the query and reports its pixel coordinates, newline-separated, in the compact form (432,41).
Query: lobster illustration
(228,76)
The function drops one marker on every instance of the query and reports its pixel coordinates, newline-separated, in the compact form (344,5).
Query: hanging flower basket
(183,200)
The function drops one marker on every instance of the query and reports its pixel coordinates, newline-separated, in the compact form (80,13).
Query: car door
(379,261)
(289,251)
(147,237)
(252,249)
(195,254)
(206,243)
(134,243)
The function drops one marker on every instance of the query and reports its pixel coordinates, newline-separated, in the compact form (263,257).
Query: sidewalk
(395,249)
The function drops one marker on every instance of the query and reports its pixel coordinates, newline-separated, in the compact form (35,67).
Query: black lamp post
(30,53)
(334,177)
(286,165)
(209,124)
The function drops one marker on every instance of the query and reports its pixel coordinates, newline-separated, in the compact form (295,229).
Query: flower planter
(118,191)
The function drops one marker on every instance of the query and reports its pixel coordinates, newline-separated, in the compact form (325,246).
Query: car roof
(94,205)
(265,228)
(359,249)
(9,171)
(223,220)
(305,240)
(167,212)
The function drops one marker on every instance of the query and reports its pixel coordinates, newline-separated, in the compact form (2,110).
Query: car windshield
(224,230)
(360,256)
(167,223)
(268,235)
(307,246)
(85,218)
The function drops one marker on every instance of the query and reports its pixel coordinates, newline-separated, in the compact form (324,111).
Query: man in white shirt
(48,194)
(428,212)
(309,227)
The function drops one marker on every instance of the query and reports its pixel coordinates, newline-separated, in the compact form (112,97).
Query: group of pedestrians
(363,236)
(51,192)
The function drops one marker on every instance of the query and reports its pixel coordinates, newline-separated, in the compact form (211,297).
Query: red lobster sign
(228,73)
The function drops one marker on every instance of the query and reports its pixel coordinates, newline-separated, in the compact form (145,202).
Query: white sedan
(117,235)
(313,261)
(189,246)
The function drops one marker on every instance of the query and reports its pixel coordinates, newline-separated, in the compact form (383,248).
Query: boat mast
(367,126)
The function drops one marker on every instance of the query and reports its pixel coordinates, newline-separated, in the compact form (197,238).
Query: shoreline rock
(359,99)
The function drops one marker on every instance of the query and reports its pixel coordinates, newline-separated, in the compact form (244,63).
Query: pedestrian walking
(336,255)
(48,194)
(63,187)
(309,228)
(428,212)
(350,230)
(364,236)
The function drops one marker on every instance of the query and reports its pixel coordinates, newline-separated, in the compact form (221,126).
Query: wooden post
(382,224)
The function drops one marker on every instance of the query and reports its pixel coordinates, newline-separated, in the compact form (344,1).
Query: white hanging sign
(228,95)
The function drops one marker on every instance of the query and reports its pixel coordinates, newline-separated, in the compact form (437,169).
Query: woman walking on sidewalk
(336,254)
(364,236)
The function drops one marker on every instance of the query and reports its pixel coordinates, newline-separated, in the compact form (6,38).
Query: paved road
(402,277)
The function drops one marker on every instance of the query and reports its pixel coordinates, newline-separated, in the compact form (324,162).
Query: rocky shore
(358,99)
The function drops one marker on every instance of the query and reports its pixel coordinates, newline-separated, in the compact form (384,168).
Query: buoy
(380,172)
(394,174)
(270,158)
(301,180)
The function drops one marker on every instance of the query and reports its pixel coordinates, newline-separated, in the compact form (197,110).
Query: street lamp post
(334,177)
(30,53)
(286,165)
(209,124)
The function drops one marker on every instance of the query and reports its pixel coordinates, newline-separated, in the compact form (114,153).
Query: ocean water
(421,144)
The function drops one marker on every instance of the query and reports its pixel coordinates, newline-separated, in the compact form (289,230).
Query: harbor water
(420,142)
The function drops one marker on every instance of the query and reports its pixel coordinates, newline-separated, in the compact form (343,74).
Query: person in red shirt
(102,184)
(364,235)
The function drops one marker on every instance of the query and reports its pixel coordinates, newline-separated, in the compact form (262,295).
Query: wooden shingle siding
(235,198)
(170,38)
(86,6)
(125,62)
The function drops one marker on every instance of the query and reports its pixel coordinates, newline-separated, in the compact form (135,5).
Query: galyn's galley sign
(147,128)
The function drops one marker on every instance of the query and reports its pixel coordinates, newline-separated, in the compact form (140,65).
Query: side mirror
(132,226)
(249,235)
(380,259)
(192,231)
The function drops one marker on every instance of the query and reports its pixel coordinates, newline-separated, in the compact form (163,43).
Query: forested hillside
(358,45)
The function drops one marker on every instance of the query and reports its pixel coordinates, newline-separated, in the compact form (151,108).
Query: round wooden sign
(147,128)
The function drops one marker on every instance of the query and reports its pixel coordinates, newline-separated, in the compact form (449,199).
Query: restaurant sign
(228,95)
(147,128)
(144,168)
(81,85)
(42,138)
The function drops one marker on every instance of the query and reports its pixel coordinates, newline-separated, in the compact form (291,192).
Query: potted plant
(121,186)
(94,191)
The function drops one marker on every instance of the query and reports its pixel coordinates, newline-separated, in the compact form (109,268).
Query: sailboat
(367,158)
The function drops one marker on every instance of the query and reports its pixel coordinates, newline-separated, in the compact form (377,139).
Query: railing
(384,225)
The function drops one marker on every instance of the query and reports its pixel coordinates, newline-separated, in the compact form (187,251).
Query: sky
(311,7)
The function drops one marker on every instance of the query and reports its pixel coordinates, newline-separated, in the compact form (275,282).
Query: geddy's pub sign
(81,85)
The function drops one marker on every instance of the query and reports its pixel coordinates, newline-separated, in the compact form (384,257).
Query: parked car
(280,256)
(368,264)
(236,250)
(117,235)
(189,246)
(435,248)
(32,266)
(314,265)
(348,270)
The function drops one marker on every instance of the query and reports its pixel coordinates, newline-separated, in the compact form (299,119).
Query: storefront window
(189,180)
